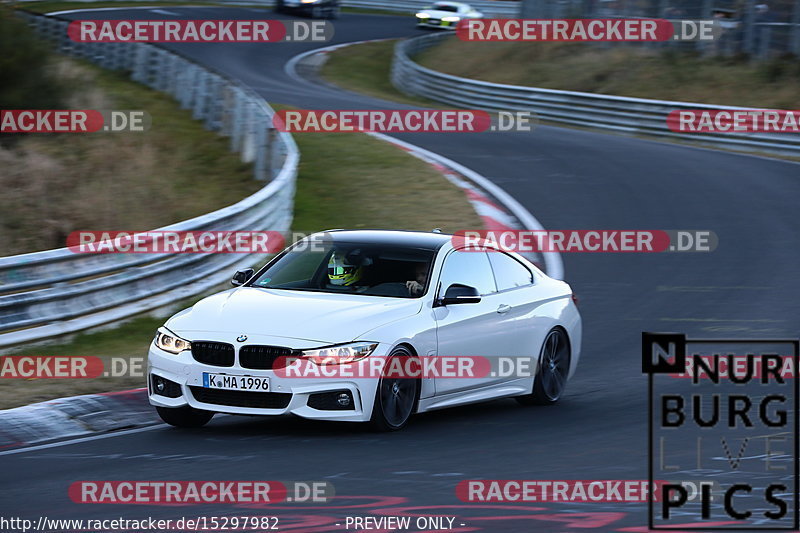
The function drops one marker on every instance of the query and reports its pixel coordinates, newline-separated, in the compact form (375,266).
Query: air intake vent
(237,398)
(261,357)
(213,353)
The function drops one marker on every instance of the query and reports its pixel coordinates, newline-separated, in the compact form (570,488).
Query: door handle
(503,309)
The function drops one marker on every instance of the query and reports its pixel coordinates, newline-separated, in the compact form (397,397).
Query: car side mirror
(241,276)
(461,294)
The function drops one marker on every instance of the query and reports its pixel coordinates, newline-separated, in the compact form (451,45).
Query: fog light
(335,400)
(164,387)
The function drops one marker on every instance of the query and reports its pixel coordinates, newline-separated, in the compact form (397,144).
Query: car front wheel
(184,417)
(551,379)
(396,397)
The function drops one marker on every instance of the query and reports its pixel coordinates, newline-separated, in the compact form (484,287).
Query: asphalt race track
(568,179)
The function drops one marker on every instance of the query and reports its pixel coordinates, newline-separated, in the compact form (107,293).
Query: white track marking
(83,439)
(83,10)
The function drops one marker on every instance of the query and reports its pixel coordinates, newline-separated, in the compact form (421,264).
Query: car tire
(334,12)
(184,417)
(395,399)
(317,12)
(278,7)
(551,379)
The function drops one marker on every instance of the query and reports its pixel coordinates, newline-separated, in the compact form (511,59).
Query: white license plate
(230,382)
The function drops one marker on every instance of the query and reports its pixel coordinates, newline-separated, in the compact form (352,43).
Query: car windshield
(351,268)
(444,7)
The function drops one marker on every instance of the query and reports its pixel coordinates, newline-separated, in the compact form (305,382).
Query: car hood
(319,317)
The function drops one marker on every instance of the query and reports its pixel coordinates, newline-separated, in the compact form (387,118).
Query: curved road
(567,178)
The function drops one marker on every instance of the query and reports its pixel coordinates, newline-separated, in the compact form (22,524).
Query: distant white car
(360,297)
(446,15)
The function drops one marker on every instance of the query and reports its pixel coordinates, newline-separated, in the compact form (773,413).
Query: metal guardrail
(491,8)
(56,292)
(617,113)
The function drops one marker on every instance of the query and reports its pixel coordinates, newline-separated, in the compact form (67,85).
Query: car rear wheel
(278,6)
(551,379)
(334,12)
(396,398)
(184,417)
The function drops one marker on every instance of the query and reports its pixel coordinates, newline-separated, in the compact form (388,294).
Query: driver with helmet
(342,273)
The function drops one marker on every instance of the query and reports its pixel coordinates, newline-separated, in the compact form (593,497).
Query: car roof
(409,239)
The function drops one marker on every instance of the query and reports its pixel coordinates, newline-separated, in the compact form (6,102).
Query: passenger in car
(417,285)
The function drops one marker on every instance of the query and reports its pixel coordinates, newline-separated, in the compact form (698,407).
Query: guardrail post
(200,92)
(795,33)
(249,146)
(749,26)
(262,151)
(765,38)
(214,102)
(139,61)
(278,151)
(186,87)
(238,122)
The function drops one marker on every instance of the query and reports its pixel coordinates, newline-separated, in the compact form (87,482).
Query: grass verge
(626,71)
(54,184)
(366,68)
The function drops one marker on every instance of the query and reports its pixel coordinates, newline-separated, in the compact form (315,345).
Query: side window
(468,268)
(508,272)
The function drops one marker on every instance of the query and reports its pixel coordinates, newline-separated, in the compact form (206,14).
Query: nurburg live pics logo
(727,431)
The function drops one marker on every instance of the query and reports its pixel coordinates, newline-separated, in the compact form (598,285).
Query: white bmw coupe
(446,15)
(335,300)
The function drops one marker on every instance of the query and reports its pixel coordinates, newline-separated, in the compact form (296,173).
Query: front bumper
(288,395)
(304,9)
(436,23)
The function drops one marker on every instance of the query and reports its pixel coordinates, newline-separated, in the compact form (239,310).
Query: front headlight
(341,354)
(451,19)
(169,342)
(423,16)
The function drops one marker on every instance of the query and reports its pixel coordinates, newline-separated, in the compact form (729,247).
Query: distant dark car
(318,9)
